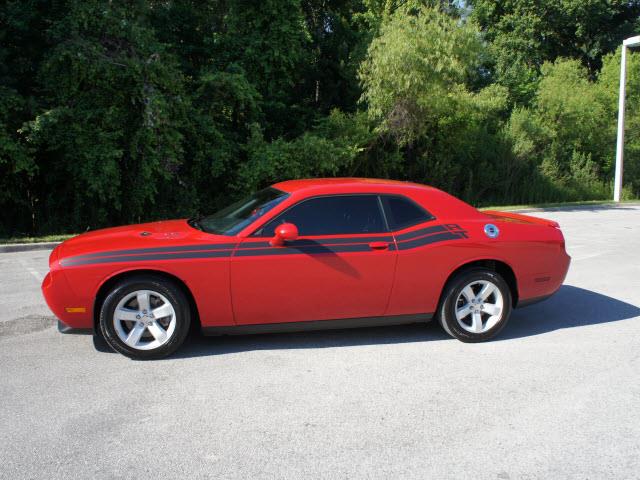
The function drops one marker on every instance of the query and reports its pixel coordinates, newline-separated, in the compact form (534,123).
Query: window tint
(336,215)
(235,217)
(402,212)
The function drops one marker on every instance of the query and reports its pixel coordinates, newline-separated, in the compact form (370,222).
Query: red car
(306,254)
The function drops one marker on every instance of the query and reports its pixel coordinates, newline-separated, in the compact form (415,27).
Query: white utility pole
(617,188)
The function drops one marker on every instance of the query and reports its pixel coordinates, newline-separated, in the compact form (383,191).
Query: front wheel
(145,317)
(476,305)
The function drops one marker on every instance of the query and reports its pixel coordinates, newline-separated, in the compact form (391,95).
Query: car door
(427,249)
(341,266)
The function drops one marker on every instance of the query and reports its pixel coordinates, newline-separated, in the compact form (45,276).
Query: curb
(27,247)
(567,208)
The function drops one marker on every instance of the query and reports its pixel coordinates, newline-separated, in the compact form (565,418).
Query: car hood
(162,234)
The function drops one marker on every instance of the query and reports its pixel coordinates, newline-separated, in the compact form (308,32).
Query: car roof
(291,186)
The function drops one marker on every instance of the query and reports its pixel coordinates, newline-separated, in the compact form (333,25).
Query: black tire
(450,298)
(153,283)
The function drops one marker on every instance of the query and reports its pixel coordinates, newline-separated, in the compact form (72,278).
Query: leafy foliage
(416,68)
(523,35)
(127,111)
(415,86)
(113,126)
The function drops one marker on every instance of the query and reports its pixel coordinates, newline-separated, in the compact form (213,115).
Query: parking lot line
(37,275)
(34,273)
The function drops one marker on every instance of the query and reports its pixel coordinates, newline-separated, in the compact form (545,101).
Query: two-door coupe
(306,254)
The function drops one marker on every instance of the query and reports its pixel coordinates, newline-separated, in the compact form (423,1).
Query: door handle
(379,245)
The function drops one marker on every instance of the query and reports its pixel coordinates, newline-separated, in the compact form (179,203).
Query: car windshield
(232,219)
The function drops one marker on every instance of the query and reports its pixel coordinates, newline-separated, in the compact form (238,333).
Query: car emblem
(491,231)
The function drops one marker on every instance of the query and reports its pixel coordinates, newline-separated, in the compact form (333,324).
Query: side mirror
(283,233)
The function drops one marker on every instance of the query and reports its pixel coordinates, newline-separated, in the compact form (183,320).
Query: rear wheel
(476,305)
(145,317)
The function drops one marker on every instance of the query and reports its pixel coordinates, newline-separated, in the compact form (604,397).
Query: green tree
(17,167)
(567,137)
(607,84)
(334,147)
(110,138)
(126,111)
(187,28)
(23,46)
(224,108)
(413,70)
(415,80)
(523,35)
(337,44)
(268,40)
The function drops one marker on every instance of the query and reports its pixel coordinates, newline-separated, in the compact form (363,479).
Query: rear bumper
(534,300)
(545,285)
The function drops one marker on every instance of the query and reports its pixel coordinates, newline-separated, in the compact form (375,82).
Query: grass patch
(44,238)
(558,204)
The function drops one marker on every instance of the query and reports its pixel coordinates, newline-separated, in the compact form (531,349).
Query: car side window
(403,212)
(331,215)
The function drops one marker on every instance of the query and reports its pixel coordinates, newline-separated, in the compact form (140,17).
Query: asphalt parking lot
(557,395)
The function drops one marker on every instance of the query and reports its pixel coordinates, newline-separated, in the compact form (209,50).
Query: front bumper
(66,329)
(64,303)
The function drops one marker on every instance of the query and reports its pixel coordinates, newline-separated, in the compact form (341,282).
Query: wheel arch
(499,266)
(108,284)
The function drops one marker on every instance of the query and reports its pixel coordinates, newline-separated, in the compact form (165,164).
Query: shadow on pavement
(570,307)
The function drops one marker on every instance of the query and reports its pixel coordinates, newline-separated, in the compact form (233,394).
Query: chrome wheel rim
(479,306)
(144,320)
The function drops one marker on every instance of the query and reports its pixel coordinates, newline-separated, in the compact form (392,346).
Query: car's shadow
(569,308)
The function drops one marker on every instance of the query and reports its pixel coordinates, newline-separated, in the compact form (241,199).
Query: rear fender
(519,218)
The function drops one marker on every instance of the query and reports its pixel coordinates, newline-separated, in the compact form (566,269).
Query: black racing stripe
(453,227)
(338,241)
(308,249)
(421,232)
(73,261)
(432,234)
(140,251)
(414,239)
(439,237)
(254,245)
(324,241)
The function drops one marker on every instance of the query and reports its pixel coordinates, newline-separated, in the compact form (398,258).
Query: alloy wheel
(144,320)
(479,306)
